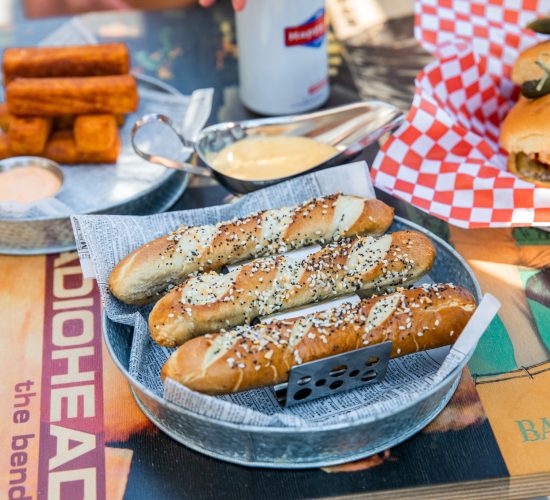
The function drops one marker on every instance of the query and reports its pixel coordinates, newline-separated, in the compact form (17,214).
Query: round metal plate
(132,186)
(299,447)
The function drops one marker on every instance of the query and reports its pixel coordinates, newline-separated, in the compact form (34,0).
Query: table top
(496,428)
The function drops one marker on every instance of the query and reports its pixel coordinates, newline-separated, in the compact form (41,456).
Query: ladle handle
(163,160)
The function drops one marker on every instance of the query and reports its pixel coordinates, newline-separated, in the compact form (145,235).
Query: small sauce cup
(20,162)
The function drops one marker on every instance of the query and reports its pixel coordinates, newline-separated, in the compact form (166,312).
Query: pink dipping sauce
(28,184)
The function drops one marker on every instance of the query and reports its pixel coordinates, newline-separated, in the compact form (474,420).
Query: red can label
(310,33)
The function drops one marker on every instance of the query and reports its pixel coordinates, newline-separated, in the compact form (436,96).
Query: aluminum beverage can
(283,64)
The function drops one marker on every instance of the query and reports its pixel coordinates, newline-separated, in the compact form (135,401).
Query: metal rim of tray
(170,201)
(248,427)
(231,426)
(309,465)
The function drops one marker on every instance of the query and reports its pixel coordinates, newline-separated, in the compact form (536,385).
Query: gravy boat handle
(163,160)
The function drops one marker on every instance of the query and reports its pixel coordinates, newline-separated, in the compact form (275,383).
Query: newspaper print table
(493,432)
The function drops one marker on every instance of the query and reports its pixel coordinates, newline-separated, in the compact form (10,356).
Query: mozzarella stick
(85,60)
(95,133)
(4,117)
(66,122)
(62,148)
(4,147)
(72,96)
(28,135)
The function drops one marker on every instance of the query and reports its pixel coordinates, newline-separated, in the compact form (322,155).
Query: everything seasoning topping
(272,284)
(262,233)
(346,327)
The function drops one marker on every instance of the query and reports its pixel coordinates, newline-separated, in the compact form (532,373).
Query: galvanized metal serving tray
(299,447)
(132,186)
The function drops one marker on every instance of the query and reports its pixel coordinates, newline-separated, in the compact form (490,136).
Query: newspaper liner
(189,112)
(110,238)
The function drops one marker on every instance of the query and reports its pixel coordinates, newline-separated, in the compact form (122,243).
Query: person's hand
(237,4)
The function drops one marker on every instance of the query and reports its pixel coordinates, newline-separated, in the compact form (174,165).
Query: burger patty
(533,168)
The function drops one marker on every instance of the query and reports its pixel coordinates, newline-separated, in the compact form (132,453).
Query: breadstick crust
(72,96)
(147,272)
(262,355)
(70,61)
(210,302)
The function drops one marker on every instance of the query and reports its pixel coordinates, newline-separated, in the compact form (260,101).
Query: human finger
(239,4)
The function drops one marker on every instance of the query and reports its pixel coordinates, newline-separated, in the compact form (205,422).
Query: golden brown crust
(131,268)
(72,96)
(375,219)
(4,146)
(525,68)
(95,133)
(61,147)
(81,60)
(215,256)
(309,218)
(4,117)
(526,128)
(248,357)
(146,272)
(210,302)
(28,135)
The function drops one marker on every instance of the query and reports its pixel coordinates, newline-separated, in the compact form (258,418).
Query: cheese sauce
(28,184)
(266,158)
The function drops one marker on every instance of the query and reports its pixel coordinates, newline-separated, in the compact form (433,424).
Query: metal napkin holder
(338,373)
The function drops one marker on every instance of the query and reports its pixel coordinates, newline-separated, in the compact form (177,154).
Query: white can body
(283,66)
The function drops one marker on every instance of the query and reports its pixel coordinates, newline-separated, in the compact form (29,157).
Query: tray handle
(163,160)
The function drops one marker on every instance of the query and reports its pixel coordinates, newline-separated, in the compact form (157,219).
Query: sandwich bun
(526,132)
(525,68)
(526,128)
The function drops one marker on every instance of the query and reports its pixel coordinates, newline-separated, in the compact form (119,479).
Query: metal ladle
(349,129)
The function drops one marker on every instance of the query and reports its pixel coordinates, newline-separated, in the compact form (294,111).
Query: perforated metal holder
(338,373)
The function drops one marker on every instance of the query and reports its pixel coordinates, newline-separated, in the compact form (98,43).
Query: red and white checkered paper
(446,158)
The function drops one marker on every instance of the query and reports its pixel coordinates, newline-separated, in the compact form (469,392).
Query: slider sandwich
(525,132)
(529,65)
(525,135)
